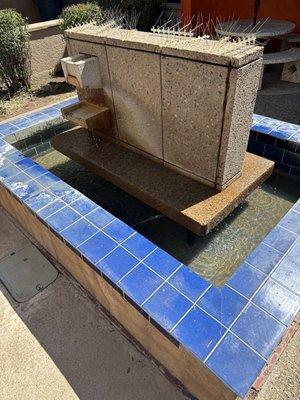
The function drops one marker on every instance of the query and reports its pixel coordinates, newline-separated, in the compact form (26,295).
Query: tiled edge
(23,126)
(233,329)
(278,141)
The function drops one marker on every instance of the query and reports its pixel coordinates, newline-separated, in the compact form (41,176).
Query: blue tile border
(15,125)
(225,328)
(278,141)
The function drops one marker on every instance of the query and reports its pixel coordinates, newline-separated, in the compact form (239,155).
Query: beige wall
(47,46)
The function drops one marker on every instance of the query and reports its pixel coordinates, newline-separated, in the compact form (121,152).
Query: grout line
(192,306)
(164,281)
(140,261)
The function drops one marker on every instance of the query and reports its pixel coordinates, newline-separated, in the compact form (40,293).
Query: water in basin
(216,256)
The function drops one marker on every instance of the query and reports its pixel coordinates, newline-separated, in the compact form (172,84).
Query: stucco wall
(47,46)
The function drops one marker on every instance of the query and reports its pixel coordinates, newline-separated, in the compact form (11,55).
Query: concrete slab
(185,200)
(26,272)
(61,346)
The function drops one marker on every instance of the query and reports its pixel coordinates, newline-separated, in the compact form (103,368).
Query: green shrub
(15,68)
(78,14)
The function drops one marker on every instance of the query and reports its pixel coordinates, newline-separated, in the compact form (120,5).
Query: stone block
(193,101)
(186,103)
(104,95)
(136,88)
(240,100)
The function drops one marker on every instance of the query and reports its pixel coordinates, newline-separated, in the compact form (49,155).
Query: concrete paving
(60,345)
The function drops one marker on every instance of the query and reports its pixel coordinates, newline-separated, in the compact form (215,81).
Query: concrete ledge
(38,26)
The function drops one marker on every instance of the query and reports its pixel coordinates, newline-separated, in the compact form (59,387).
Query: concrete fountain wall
(187,104)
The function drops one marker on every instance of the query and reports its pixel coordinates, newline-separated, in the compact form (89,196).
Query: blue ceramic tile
(256,147)
(289,128)
(117,264)
(253,136)
(261,128)
(271,122)
(70,195)
(292,159)
(25,163)
(79,232)
(288,273)
(118,230)
(51,111)
(26,190)
(264,258)
(295,137)
(40,200)
(139,245)
(235,364)
(297,207)
(198,332)
(15,156)
(8,171)
(295,171)
(267,139)
(84,205)
(291,221)
(51,209)
(259,330)
(282,167)
(188,283)
(256,118)
(277,301)
(285,145)
(140,283)
(295,251)
(273,153)
(167,306)
(15,180)
(62,218)
(20,121)
(246,280)
(280,239)
(7,128)
(280,133)
(36,117)
(97,247)
(66,103)
(47,179)
(100,217)
(61,189)
(36,171)
(4,162)
(224,304)
(162,263)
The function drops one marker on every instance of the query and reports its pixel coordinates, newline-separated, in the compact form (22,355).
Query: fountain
(166,117)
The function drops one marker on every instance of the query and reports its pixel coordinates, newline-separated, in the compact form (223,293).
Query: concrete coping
(38,26)
(205,50)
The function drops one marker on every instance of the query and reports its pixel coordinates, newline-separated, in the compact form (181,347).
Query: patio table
(264,28)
